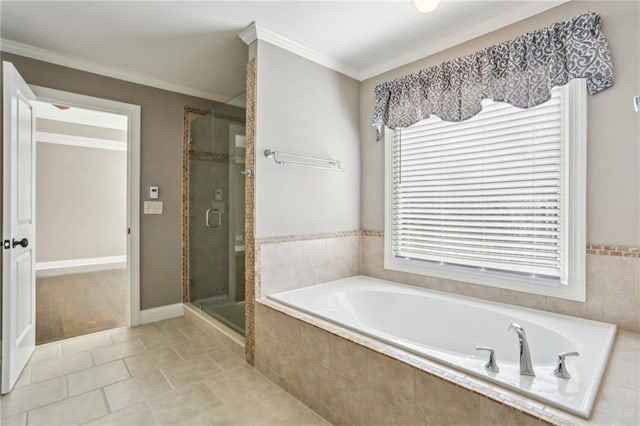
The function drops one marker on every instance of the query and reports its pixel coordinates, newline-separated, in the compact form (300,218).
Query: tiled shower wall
(613,277)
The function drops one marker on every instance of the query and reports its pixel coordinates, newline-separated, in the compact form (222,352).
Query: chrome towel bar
(330,164)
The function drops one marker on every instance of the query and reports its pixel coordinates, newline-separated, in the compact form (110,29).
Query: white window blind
(483,193)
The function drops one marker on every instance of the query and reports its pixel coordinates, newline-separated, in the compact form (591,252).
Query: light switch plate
(153,207)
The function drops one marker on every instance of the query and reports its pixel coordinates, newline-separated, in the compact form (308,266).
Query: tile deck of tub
(170,372)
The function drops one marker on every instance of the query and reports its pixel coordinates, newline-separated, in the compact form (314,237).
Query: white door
(18,254)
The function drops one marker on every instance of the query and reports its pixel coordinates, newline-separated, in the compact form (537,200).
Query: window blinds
(484,193)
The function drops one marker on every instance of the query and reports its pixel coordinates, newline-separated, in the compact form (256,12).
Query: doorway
(87,214)
(81,194)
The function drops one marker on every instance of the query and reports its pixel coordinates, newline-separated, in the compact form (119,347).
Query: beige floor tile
(116,351)
(60,366)
(151,362)
(243,411)
(136,415)
(124,334)
(128,392)
(306,418)
(33,396)
(231,384)
(280,402)
(24,379)
(45,353)
(196,348)
(85,343)
(172,323)
(19,420)
(190,371)
(171,337)
(70,411)
(182,404)
(96,377)
(194,333)
(227,359)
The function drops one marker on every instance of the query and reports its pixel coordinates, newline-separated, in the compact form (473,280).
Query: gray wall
(81,202)
(161,164)
(613,183)
(305,108)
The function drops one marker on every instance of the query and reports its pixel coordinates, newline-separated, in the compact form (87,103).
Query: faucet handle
(561,368)
(491,365)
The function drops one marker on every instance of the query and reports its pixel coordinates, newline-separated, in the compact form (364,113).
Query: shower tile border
(189,114)
(249,220)
(305,237)
(599,249)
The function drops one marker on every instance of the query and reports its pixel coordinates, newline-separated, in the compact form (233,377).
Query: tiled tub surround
(287,263)
(613,284)
(446,328)
(169,372)
(351,379)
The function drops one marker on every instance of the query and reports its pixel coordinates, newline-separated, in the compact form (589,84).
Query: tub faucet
(526,366)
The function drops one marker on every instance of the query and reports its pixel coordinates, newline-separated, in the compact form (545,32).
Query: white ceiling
(193,47)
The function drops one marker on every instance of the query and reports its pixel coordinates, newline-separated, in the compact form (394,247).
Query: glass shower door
(216,213)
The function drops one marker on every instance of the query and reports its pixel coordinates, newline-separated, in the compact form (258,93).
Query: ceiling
(194,48)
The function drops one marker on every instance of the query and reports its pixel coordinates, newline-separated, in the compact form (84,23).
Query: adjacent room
(385,212)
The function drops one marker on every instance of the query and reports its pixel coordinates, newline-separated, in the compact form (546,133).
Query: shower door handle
(206,218)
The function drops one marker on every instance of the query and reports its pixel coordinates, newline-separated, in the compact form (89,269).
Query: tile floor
(169,372)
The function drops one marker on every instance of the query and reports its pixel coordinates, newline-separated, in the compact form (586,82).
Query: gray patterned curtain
(521,72)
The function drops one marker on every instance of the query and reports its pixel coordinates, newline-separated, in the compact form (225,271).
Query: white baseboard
(74,266)
(161,313)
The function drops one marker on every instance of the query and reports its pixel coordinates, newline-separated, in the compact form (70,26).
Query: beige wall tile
(314,252)
(441,402)
(96,377)
(348,360)
(74,410)
(494,413)
(33,396)
(314,344)
(391,381)
(519,298)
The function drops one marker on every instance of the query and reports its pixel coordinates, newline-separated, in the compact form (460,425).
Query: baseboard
(161,313)
(74,266)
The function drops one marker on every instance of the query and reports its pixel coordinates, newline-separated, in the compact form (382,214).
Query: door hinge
(6,244)
(128,231)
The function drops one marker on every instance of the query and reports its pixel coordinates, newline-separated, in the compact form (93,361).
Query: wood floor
(77,304)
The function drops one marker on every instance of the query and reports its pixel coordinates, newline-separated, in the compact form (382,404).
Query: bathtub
(446,328)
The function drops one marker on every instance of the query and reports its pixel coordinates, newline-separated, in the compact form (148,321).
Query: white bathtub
(447,328)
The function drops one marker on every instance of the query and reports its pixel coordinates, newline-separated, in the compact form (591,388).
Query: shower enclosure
(216,212)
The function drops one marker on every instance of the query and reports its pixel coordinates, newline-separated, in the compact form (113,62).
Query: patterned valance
(521,72)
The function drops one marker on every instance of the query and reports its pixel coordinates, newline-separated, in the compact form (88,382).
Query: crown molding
(459,37)
(57,58)
(256,31)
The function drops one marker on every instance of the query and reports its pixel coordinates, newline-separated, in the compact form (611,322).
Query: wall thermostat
(154,192)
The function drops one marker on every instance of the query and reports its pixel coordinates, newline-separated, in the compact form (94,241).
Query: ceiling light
(425,6)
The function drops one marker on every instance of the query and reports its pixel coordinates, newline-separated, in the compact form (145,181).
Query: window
(497,200)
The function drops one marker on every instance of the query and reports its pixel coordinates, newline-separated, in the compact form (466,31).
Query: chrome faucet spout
(526,365)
